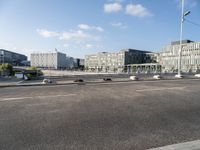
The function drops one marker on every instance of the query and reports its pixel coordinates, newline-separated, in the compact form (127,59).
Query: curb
(91,82)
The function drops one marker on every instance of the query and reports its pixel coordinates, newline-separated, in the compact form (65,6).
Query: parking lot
(126,115)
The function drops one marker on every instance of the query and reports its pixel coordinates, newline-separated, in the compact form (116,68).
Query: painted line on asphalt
(160,89)
(49,96)
(14,98)
(43,96)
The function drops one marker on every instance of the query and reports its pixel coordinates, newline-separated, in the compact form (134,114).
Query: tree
(115,69)
(6,68)
(198,69)
(34,72)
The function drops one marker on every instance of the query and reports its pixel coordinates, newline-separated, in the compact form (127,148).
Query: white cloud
(77,35)
(66,45)
(84,26)
(118,24)
(88,46)
(88,27)
(112,7)
(119,1)
(46,33)
(137,10)
(100,29)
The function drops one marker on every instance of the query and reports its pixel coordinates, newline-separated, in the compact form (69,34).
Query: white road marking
(49,96)
(14,98)
(42,96)
(160,89)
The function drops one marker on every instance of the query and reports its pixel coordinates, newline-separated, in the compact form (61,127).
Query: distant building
(26,63)
(70,64)
(55,60)
(117,61)
(12,58)
(81,63)
(75,63)
(190,57)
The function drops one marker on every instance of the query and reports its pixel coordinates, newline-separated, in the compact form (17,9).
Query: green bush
(6,67)
(37,71)
(32,68)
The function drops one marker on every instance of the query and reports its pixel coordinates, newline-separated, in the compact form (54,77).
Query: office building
(54,60)
(117,61)
(12,58)
(190,57)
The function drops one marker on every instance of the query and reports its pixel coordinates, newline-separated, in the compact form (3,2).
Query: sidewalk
(193,145)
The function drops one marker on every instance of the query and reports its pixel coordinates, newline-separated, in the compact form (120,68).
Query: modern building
(82,62)
(70,64)
(117,61)
(54,60)
(190,57)
(74,63)
(12,58)
(79,63)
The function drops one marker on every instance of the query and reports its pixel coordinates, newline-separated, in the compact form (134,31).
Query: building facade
(117,61)
(12,58)
(190,57)
(55,60)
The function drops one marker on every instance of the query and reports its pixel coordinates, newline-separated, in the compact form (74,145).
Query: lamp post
(183,15)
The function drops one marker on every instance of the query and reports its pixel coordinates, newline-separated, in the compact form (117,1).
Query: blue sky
(80,27)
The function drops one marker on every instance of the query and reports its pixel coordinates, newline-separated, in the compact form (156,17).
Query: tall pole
(181,36)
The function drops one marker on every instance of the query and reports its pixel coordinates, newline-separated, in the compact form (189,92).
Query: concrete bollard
(197,75)
(157,77)
(133,78)
(179,76)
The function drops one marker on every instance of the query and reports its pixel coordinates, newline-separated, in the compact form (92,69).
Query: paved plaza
(105,116)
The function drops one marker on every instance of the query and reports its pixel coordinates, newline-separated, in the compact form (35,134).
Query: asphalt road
(125,116)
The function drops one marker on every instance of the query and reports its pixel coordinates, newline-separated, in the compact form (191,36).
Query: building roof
(12,52)
(183,42)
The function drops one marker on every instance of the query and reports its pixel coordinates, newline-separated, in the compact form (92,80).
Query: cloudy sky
(80,27)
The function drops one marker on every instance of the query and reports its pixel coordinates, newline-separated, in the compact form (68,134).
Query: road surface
(126,116)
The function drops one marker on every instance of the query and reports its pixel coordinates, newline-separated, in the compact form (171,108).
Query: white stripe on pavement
(160,89)
(14,98)
(42,96)
(49,96)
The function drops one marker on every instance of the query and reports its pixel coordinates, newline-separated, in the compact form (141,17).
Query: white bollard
(197,75)
(133,78)
(156,76)
(178,76)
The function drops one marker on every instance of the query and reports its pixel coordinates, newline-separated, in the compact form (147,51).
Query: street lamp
(183,15)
